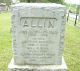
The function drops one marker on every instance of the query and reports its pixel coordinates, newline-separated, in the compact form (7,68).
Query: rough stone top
(39,9)
(46,10)
(39,5)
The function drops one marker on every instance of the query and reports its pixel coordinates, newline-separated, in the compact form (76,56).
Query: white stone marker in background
(38,37)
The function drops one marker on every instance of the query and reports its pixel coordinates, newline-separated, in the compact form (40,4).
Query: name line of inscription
(40,22)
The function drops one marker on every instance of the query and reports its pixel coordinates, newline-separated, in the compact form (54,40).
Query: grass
(71,50)
(5,41)
(72,22)
(72,45)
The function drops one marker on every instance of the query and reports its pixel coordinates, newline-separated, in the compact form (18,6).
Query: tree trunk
(28,1)
(39,1)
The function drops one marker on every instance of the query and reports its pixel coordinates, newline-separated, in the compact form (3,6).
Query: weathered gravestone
(38,37)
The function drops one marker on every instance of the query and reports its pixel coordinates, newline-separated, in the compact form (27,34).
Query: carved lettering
(25,23)
(40,22)
(50,24)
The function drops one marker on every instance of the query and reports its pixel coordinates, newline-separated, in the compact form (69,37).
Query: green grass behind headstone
(5,41)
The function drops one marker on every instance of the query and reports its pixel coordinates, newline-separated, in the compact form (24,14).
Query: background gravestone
(38,37)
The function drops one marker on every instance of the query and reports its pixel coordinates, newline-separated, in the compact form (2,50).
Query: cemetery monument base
(13,67)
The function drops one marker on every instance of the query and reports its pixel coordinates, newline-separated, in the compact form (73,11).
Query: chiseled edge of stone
(61,67)
(54,9)
(47,6)
(39,5)
(62,32)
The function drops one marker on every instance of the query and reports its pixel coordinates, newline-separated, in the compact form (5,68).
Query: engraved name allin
(37,39)
(42,22)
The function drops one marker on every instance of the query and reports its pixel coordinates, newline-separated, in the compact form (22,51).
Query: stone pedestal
(38,37)
(13,67)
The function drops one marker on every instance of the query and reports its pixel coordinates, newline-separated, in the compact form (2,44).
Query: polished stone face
(38,34)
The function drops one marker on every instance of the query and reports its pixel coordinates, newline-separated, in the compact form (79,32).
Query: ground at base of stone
(13,67)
